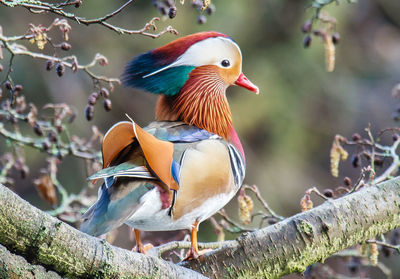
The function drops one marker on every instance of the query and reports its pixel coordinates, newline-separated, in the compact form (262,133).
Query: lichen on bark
(286,247)
(295,243)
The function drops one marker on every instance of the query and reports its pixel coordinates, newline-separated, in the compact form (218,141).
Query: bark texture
(287,247)
(295,243)
(42,239)
(13,266)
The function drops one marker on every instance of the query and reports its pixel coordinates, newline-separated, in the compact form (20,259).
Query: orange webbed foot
(143,248)
(140,248)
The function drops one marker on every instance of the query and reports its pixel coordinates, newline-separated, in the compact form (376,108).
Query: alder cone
(89,112)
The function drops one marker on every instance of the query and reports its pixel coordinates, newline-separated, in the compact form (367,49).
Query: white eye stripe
(211,51)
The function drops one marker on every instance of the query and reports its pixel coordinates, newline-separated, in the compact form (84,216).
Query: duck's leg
(140,248)
(193,252)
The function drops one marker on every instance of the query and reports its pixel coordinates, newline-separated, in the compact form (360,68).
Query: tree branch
(41,6)
(40,238)
(13,266)
(296,242)
(286,247)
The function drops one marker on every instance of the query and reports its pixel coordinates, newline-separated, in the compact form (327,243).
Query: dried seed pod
(24,171)
(96,95)
(355,159)
(335,38)
(37,129)
(104,92)
(46,144)
(328,193)
(59,128)
(7,85)
(307,41)
(201,19)
(65,46)
(50,64)
(169,3)
(395,137)
(107,104)
(92,99)
(59,155)
(89,112)
(52,137)
(356,137)
(78,3)
(18,88)
(46,189)
(347,181)
(172,12)
(307,26)
(60,69)
(210,9)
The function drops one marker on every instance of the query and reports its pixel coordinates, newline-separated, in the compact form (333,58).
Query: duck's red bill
(243,81)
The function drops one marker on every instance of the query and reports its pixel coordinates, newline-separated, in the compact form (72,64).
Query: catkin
(329,53)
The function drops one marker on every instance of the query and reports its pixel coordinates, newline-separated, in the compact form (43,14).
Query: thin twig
(385,244)
(238,228)
(393,167)
(184,245)
(38,144)
(16,49)
(256,191)
(40,6)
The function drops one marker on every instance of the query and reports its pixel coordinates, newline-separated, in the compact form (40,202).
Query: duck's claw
(192,254)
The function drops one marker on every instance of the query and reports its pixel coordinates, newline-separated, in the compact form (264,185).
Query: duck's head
(166,69)
(192,73)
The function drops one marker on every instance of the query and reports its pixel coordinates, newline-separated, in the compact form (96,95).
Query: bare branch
(40,6)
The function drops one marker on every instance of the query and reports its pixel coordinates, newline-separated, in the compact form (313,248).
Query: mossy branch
(296,242)
(42,239)
(13,266)
(286,247)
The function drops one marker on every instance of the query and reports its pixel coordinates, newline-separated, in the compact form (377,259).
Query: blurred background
(287,130)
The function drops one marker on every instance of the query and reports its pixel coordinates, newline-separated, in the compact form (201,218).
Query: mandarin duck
(184,167)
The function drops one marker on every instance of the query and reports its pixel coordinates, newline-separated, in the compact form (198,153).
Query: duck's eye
(225,63)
